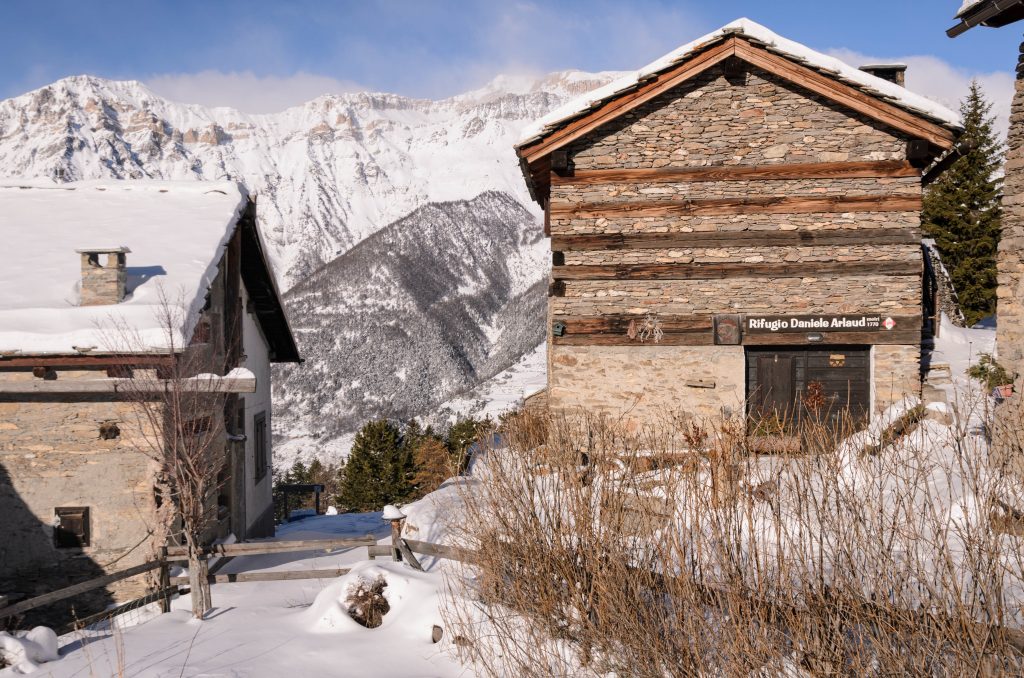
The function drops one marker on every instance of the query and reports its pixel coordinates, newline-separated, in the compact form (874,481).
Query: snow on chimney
(103,284)
(891,72)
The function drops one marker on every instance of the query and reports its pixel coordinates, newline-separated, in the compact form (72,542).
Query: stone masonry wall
(1010,330)
(51,454)
(711,120)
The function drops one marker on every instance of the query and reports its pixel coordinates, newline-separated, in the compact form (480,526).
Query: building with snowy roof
(105,283)
(736,226)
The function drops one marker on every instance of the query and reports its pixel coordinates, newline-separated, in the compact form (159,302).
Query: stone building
(1010,261)
(92,270)
(733,226)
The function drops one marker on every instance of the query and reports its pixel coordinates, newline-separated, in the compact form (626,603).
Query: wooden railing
(168,586)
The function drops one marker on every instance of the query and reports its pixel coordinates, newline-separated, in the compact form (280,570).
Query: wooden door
(774,396)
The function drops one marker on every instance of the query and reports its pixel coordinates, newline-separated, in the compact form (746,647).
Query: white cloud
(947,84)
(247,91)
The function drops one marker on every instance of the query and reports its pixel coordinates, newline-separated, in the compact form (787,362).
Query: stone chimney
(103,283)
(891,72)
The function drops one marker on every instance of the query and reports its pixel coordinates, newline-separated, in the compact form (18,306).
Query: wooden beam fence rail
(288,575)
(76,589)
(809,269)
(180,553)
(716,239)
(737,206)
(780,172)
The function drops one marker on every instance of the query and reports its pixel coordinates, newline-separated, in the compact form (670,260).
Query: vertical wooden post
(165,581)
(393,515)
(317,493)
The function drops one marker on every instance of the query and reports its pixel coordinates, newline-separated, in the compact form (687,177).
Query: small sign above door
(771,324)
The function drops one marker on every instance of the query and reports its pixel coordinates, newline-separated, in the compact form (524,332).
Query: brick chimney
(891,72)
(103,283)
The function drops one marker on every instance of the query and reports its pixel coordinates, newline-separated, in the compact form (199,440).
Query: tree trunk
(198,582)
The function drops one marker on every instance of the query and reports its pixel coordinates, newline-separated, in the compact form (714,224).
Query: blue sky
(265,55)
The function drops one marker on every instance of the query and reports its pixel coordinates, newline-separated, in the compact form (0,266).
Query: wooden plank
(785,171)
(734,206)
(619,323)
(378,551)
(626,102)
(775,238)
(178,553)
(439,550)
(74,590)
(292,575)
(129,386)
(909,337)
(407,553)
(807,269)
(83,361)
(849,96)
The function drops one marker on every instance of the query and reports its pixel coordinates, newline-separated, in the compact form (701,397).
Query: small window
(71,527)
(259,437)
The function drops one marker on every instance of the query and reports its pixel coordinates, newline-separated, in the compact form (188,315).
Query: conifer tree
(377,470)
(962,212)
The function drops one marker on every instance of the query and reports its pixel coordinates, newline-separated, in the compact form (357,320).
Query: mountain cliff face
(391,324)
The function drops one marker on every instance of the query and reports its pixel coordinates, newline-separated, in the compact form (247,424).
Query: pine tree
(378,469)
(962,211)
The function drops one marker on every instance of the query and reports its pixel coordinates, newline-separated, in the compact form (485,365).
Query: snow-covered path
(285,628)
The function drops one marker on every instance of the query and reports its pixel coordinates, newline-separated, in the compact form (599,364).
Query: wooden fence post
(165,580)
(395,517)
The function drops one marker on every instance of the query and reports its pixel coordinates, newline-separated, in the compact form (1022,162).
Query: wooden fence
(402,549)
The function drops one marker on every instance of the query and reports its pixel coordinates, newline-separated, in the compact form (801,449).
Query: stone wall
(712,120)
(1010,330)
(647,385)
(51,455)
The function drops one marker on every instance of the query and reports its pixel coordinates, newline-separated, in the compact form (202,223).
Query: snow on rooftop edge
(887,90)
(176,230)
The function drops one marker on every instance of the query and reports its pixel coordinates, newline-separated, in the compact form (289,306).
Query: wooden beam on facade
(714,239)
(807,269)
(783,172)
(85,361)
(128,386)
(873,107)
(736,206)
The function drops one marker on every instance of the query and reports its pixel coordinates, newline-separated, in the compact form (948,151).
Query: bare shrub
(366,602)
(592,559)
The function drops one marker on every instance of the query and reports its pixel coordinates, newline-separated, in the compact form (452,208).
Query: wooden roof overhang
(991,13)
(535,156)
(264,297)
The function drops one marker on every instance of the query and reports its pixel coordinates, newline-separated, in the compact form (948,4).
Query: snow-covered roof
(966,7)
(876,86)
(176,231)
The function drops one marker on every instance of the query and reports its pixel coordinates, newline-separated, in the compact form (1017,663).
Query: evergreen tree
(378,469)
(962,212)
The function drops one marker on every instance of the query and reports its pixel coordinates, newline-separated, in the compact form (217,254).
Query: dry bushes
(366,602)
(677,552)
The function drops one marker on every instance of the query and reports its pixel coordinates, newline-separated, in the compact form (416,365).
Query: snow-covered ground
(297,628)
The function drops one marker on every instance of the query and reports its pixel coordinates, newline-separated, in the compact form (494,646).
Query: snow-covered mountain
(446,296)
(328,173)
(421,311)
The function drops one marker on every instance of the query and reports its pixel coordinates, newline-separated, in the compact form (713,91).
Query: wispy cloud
(247,91)
(947,84)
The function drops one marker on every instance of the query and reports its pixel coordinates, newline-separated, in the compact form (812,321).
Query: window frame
(261,457)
